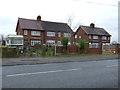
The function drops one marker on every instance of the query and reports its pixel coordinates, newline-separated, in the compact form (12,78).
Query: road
(90,74)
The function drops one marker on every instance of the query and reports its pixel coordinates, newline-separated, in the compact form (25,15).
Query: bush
(49,52)
(9,52)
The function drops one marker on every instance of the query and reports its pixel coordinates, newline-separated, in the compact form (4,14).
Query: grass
(73,55)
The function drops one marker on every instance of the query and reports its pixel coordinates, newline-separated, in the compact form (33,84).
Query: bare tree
(72,23)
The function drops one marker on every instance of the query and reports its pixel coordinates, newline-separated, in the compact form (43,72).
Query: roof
(43,25)
(95,31)
(14,36)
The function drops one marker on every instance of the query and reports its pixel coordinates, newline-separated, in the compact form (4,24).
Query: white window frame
(51,34)
(104,38)
(59,34)
(25,32)
(59,42)
(93,45)
(50,41)
(108,38)
(95,37)
(80,36)
(75,36)
(90,36)
(33,42)
(67,35)
(35,33)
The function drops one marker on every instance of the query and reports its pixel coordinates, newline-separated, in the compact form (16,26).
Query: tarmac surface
(46,60)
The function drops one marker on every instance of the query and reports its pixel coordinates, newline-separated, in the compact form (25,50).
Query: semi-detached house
(47,32)
(94,36)
(42,32)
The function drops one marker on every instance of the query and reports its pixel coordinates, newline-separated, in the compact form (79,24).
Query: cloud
(83,11)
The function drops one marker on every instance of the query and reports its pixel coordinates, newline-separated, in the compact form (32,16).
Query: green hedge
(9,52)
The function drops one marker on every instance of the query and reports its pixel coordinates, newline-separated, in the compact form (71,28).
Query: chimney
(39,18)
(92,25)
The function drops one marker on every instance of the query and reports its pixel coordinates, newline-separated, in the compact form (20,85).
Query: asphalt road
(91,74)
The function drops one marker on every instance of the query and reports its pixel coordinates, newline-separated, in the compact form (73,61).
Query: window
(50,41)
(89,36)
(59,34)
(58,42)
(18,33)
(67,35)
(79,36)
(93,45)
(33,42)
(75,36)
(69,43)
(16,41)
(104,38)
(25,32)
(108,38)
(95,37)
(35,33)
(50,33)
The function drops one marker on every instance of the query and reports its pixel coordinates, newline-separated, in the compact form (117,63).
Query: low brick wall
(74,49)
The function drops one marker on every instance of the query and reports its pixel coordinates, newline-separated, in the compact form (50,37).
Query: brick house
(42,32)
(94,36)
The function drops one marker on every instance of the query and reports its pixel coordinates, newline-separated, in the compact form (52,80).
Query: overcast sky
(104,13)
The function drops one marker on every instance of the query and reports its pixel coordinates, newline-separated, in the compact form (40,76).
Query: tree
(2,39)
(64,42)
(82,45)
(73,24)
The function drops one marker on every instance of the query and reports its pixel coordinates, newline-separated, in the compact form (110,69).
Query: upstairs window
(59,34)
(95,37)
(104,38)
(80,37)
(25,32)
(51,34)
(75,36)
(89,36)
(35,33)
(67,35)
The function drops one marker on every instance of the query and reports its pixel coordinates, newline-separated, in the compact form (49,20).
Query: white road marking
(112,65)
(22,74)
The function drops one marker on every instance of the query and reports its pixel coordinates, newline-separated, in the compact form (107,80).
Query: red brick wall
(19,30)
(95,50)
(117,48)
(73,49)
(70,49)
(81,33)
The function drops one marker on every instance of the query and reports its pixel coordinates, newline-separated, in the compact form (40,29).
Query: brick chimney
(39,18)
(92,25)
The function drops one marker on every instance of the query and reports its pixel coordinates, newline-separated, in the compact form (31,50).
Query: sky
(103,13)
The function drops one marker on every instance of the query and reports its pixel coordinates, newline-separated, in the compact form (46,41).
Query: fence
(9,52)
(114,48)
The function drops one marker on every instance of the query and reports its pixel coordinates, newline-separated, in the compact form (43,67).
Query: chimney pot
(92,25)
(39,18)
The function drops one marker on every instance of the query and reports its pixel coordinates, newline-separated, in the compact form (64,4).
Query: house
(94,36)
(14,40)
(42,32)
